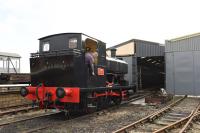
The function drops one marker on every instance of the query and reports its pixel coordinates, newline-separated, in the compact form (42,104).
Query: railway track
(193,125)
(16,109)
(9,92)
(174,116)
(134,98)
(10,98)
(49,121)
(11,101)
(26,123)
(14,106)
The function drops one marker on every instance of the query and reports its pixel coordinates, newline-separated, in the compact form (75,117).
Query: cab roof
(68,33)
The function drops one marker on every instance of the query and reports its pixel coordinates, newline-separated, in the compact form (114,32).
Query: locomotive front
(58,70)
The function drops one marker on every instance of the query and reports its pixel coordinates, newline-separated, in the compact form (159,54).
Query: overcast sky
(22,22)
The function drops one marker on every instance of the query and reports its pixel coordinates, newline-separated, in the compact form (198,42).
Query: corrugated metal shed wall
(145,48)
(131,76)
(188,44)
(183,66)
(169,70)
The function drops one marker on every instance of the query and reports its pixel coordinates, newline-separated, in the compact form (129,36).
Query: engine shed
(182,65)
(145,62)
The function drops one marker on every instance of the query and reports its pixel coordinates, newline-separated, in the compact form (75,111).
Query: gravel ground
(106,121)
(103,121)
(195,127)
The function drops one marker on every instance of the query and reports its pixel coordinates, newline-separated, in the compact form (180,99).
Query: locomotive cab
(61,61)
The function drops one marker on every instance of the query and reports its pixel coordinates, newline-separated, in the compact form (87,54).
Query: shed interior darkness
(151,72)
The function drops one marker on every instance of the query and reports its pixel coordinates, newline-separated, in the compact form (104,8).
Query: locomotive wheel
(67,115)
(104,102)
(117,100)
(90,103)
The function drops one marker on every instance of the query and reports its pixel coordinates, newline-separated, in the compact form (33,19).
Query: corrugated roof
(10,54)
(132,40)
(185,37)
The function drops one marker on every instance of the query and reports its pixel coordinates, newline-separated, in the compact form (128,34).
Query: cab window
(92,46)
(45,47)
(73,43)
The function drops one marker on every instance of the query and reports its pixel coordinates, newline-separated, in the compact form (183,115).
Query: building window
(45,47)
(73,43)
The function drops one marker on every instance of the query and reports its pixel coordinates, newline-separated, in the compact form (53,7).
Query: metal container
(183,65)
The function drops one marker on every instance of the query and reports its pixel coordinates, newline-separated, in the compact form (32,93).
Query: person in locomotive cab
(95,56)
(90,60)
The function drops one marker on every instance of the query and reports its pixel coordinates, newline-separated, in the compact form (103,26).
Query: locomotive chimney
(113,52)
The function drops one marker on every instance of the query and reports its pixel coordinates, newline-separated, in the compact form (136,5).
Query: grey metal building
(145,62)
(183,65)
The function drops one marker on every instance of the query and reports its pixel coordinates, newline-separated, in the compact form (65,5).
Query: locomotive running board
(108,88)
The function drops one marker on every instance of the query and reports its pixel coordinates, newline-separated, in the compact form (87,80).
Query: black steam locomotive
(61,79)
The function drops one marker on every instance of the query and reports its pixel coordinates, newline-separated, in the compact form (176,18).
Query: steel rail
(174,125)
(9,92)
(22,120)
(196,113)
(17,110)
(149,117)
(15,106)
(135,98)
(179,122)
